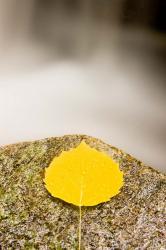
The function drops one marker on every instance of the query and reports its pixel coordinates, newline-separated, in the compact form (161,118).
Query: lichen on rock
(30,218)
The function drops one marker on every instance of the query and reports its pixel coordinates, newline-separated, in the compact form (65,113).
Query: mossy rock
(30,218)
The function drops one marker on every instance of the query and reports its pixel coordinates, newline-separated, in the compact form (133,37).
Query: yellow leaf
(83,176)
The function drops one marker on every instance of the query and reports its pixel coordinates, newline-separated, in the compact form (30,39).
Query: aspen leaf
(83,176)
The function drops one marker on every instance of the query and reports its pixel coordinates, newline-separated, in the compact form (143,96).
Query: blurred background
(96,67)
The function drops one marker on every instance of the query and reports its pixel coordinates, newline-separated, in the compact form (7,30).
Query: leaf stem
(80,224)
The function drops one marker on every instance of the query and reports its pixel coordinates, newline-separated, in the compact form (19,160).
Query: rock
(30,218)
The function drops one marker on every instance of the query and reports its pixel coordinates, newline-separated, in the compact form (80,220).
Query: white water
(111,85)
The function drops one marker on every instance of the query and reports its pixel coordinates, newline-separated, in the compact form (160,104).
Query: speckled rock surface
(31,219)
